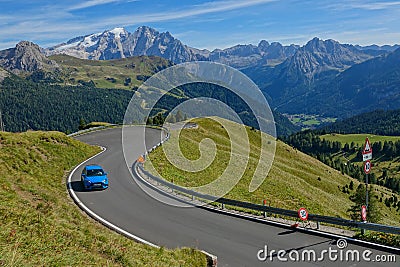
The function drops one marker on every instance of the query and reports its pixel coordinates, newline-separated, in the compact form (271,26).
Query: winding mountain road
(235,241)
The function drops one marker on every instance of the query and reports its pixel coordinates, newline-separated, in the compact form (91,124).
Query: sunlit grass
(295,179)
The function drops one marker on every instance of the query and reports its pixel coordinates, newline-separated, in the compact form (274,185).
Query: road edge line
(93,214)
(211,259)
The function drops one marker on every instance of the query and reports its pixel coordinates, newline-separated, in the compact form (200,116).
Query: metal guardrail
(273,210)
(97,128)
(90,130)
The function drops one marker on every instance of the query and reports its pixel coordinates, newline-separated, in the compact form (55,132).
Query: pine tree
(373,212)
(82,124)
(351,186)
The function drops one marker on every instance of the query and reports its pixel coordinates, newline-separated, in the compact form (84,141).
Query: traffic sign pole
(366,191)
(367,156)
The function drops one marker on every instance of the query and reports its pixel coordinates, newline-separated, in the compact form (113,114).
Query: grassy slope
(292,182)
(379,164)
(40,224)
(98,71)
(3,74)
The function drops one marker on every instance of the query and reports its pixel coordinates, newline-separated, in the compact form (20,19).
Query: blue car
(94,177)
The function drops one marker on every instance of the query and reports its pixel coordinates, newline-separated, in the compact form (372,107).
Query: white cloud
(202,9)
(377,5)
(364,5)
(91,3)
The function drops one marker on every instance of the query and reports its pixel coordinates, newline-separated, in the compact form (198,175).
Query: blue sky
(204,23)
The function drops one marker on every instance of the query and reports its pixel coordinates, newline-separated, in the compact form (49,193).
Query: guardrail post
(223,206)
(318,225)
(265,203)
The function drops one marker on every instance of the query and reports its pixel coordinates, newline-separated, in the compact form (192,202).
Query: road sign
(367,157)
(303,214)
(367,151)
(364,213)
(367,166)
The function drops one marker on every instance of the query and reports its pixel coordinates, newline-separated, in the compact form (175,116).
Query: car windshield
(95,172)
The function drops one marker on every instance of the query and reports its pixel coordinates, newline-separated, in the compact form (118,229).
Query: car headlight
(105,181)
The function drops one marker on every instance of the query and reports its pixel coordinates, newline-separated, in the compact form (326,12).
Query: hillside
(40,106)
(127,73)
(373,84)
(385,160)
(344,153)
(294,180)
(40,224)
(3,74)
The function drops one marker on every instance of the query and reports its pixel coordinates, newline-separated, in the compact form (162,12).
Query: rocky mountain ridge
(332,80)
(119,43)
(25,57)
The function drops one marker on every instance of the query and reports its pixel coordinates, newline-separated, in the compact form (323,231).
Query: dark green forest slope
(26,105)
(382,122)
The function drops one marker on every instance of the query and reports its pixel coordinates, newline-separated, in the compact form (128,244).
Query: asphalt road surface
(235,241)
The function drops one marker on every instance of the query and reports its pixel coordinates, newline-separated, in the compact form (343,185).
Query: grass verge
(295,179)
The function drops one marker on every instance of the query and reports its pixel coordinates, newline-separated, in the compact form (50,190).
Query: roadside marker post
(364,213)
(363,217)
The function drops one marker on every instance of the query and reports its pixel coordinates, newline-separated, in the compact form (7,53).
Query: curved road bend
(235,241)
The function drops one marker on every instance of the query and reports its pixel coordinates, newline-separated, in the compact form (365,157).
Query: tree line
(380,122)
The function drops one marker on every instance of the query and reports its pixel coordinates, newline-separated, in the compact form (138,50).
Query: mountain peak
(146,30)
(118,31)
(263,44)
(314,44)
(26,56)
(24,44)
